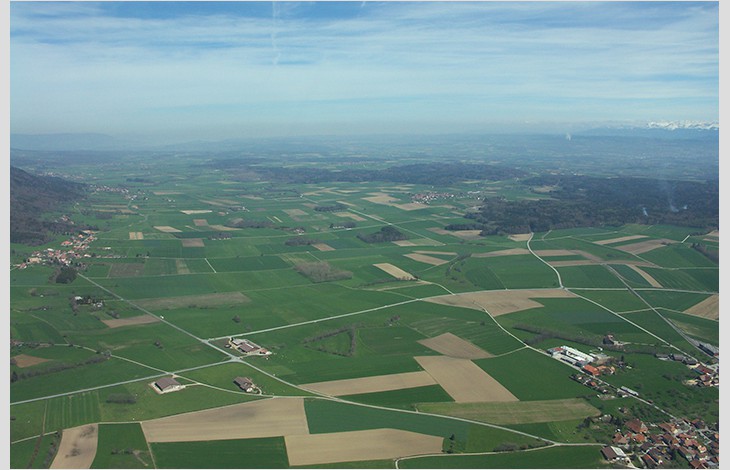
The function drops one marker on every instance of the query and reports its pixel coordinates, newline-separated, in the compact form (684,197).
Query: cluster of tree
(301,241)
(582,201)
(240,223)
(466,226)
(33,196)
(101,215)
(58,367)
(331,208)
(50,453)
(713,256)
(322,272)
(121,398)
(386,234)
(347,224)
(349,330)
(65,275)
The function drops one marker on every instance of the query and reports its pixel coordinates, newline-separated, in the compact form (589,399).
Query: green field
(81,352)
(121,446)
(242,453)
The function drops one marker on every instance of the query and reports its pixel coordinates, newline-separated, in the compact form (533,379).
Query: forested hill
(583,201)
(33,196)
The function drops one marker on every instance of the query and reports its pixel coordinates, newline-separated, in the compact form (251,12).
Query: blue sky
(188,70)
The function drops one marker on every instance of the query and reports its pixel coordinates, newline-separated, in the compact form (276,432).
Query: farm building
(628,391)
(168,384)
(248,347)
(571,355)
(612,453)
(591,370)
(245,384)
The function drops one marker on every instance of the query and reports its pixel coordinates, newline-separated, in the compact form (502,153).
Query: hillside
(32,197)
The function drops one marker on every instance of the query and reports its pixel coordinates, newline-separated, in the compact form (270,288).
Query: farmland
(375,346)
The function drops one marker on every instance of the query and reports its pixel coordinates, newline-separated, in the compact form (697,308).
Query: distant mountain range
(104,142)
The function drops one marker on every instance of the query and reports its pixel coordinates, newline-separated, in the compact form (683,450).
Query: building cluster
(246,384)
(71,250)
(708,374)
(658,445)
(571,356)
(426,198)
(247,347)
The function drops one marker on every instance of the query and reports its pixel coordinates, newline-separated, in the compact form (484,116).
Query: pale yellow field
(463,234)
(417,242)
(619,239)
(294,212)
(24,360)
(444,253)
(708,308)
(464,380)
(508,252)
(643,247)
(136,236)
(352,446)
(500,302)
(653,282)
(223,228)
(394,271)
(386,199)
(138,320)
(77,448)
(200,222)
(426,259)
(571,262)
(193,242)
(197,211)
(350,215)
(555,253)
(181,266)
(323,247)
(378,383)
(167,229)
(451,345)
(520,237)
(262,418)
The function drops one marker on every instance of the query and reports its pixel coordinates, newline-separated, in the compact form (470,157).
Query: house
(245,384)
(612,453)
(168,384)
(591,370)
(649,462)
(620,439)
(636,426)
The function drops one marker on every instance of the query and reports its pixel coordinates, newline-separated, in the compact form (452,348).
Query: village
(655,445)
(70,252)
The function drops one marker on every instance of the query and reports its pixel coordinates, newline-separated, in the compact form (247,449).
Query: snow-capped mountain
(674,125)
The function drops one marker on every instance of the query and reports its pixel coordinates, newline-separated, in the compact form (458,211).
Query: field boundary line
(309,322)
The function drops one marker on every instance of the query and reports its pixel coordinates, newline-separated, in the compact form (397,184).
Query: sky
(178,71)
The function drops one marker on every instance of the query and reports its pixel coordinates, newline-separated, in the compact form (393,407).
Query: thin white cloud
(474,60)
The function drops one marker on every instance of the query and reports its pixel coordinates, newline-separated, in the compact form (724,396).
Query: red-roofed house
(637,426)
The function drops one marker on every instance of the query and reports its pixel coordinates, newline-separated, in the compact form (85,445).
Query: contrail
(275,20)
